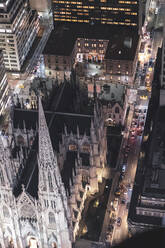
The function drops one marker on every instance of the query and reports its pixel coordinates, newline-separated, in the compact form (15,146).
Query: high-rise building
(115,12)
(4,88)
(18,28)
(41,6)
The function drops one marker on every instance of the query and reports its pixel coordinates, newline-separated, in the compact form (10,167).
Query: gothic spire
(46,153)
(47,159)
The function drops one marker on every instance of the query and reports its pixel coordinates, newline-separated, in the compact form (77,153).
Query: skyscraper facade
(115,12)
(4,87)
(18,29)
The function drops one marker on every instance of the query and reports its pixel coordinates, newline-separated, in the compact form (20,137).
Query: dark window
(117,110)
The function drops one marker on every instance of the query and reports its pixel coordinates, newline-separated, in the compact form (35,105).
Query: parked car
(110,227)
(123,201)
(121,177)
(118,221)
(117,192)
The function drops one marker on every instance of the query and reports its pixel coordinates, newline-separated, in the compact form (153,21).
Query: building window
(6,212)
(117,110)
(86,148)
(2,178)
(51,218)
(72,147)
(50,182)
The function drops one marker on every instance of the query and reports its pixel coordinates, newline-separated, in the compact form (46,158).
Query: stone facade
(52,218)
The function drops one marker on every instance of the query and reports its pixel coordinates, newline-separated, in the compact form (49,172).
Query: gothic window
(20,140)
(117,110)
(2,178)
(33,242)
(31,141)
(46,203)
(6,212)
(85,147)
(112,95)
(51,218)
(85,180)
(53,204)
(54,245)
(73,147)
(44,181)
(50,182)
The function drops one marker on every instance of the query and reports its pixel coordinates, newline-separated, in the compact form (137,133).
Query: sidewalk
(125,136)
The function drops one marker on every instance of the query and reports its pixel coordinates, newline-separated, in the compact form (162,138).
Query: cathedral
(51,160)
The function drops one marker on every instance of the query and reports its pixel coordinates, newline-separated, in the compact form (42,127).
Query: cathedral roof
(59,120)
(56,128)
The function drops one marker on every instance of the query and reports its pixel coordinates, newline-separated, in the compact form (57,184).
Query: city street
(121,232)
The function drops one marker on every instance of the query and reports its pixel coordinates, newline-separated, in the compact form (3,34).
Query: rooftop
(122,43)
(113,93)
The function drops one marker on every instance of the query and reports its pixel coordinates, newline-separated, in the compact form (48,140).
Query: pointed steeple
(6,171)
(46,153)
(50,183)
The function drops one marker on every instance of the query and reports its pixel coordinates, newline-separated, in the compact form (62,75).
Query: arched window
(117,110)
(2,181)
(51,218)
(6,212)
(44,181)
(50,181)
(112,95)
(20,140)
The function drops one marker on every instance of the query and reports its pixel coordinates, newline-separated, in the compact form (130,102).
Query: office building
(41,6)
(115,12)
(4,87)
(147,206)
(18,29)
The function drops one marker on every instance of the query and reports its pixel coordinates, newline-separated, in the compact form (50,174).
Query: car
(118,221)
(133,136)
(127,149)
(117,192)
(112,220)
(126,154)
(133,132)
(123,168)
(123,201)
(110,227)
(121,177)
(115,204)
(125,160)
(134,122)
